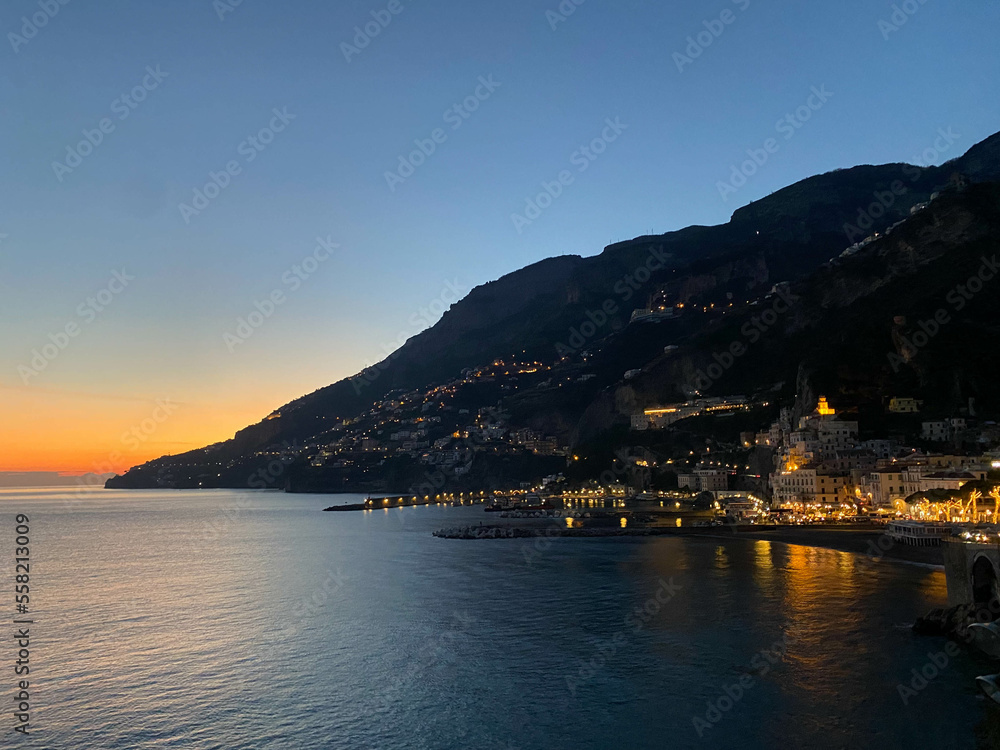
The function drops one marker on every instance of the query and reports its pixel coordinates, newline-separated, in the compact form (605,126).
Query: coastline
(856,541)
(872,543)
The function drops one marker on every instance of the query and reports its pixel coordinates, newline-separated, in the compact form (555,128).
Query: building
(547,446)
(835,434)
(947,461)
(764,438)
(534,441)
(948,480)
(919,465)
(882,487)
(822,433)
(810,484)
(647,315)
(641,422)
(804,443)
(905,405)
(936,432)
(750,510)
(941,473)
(880,448)
(662,417)
(824,409)
(851,459)
(660,309)
(704,480)
(785,419)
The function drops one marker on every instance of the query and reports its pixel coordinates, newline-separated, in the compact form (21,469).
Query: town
(678,464)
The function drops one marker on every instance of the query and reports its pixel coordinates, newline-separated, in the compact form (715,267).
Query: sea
(225,619)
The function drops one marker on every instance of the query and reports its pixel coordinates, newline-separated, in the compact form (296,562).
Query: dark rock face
(851,315)
(951,622)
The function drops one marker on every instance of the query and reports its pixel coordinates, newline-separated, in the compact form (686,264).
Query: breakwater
(410,501)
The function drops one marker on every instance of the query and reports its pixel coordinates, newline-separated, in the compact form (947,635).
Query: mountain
(573,314)
(854,329)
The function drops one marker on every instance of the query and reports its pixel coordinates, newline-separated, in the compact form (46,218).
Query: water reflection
(765,574)
(160,647)
(721,558)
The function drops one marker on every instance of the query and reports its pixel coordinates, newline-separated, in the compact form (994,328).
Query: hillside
(839,331)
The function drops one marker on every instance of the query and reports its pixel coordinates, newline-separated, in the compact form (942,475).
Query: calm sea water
(226,620)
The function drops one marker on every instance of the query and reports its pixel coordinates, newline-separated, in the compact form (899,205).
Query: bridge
(972,569)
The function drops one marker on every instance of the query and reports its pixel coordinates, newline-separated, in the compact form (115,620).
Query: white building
(704,480)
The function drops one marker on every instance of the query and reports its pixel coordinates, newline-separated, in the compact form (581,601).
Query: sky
(333,174)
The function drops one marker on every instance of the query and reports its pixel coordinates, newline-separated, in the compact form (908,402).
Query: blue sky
(324,174)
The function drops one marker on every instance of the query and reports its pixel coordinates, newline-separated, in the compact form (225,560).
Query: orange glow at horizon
(50,431)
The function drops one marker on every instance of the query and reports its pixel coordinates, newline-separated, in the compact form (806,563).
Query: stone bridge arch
(973,572)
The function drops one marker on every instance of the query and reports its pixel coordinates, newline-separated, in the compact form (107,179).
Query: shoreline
(854,541)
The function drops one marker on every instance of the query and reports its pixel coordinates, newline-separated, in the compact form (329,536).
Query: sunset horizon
(561,375)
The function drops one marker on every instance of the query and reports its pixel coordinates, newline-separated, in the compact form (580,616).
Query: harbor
(584,514)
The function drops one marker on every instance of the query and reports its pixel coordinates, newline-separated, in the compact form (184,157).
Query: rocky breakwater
(954,622)
(482,532)
(951,622)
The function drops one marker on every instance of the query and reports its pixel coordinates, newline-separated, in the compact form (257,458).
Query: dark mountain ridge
(534,312)
(845,333)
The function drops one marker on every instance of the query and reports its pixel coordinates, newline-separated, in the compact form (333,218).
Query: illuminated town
(812,471)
